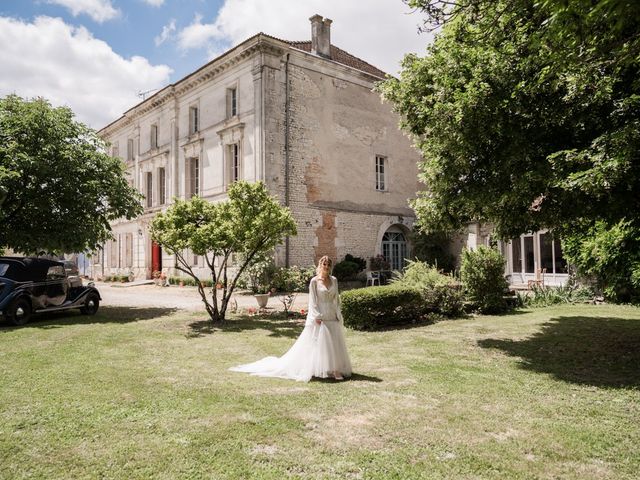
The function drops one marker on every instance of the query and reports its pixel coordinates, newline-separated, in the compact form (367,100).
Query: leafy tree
(527,114)
(249,224)
(59,190)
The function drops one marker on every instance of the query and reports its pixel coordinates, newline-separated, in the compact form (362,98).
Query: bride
(320,350)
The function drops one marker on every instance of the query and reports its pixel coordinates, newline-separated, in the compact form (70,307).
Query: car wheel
(91,304)
(19,312)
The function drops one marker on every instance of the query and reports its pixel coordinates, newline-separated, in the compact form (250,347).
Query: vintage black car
(34,285)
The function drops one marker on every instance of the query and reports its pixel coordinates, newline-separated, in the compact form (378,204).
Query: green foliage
(431,249)
(611,253)
(373,308)
(259,274)
(440,293)
(292,279)
(482,275)
(527,114)
(420,275)
(547,296)
(379,263)
(444,298)
(346,270)
(250,224)
(58,189)
(362,263)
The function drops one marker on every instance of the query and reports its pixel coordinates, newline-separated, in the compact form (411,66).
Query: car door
(57,287)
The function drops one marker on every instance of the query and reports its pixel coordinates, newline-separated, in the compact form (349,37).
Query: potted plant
(262,296)
(259,278)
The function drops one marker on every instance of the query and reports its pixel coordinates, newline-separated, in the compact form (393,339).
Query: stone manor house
(299,115)
(302,117)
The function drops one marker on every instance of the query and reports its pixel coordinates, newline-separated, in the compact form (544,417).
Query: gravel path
(183,298)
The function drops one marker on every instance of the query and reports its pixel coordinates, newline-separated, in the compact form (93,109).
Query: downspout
(286,152)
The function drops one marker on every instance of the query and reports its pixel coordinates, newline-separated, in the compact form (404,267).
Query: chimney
(320,36)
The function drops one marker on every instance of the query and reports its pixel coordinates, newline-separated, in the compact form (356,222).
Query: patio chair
(372,278)
(539,280)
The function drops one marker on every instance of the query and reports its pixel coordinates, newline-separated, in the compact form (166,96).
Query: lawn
(145,393)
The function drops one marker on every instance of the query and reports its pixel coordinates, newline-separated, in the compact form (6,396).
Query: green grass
(139,394)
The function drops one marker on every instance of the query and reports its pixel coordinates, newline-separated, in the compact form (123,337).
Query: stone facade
(304,121)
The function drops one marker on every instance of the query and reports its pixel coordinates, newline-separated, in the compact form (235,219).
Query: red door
(156,257)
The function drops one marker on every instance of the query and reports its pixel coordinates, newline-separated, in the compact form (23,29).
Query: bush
(377,307)
(362,263)
(440,293)
(420,275)
(445,299)
(293,279)
(346,270)
(482,275)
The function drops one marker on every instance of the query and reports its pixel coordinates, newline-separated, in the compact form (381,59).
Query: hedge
(377,307)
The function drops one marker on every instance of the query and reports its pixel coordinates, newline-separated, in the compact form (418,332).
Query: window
(130,150)
(193,120)
(394,248)
(193,177)
(162,186)
(196,260)
(516,255)
(235,163)
(113,254)
(529,256)
(149,189)
(154,136)
(128,250)
(232,102)
(380,173)
(115,149)
(551,256)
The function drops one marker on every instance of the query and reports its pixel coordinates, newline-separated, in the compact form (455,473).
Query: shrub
(377,307)
(293,279)
(482,275)
(440,293)
(346,270)
(379,263)
(362,263)
(445,299)
(420,275)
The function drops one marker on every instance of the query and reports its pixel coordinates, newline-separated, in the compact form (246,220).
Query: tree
(248,224)
(527,114)
(59,190)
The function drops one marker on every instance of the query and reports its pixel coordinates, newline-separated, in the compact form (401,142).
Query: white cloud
(378,31)
(197,34)
(98,10)
(167,33)
(154,3)
(68,66)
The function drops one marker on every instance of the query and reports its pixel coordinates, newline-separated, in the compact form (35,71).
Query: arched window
(394,248)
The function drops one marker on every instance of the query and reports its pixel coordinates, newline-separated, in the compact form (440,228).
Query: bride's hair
(327,260)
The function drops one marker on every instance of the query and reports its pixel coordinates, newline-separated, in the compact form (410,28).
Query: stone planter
(262,299)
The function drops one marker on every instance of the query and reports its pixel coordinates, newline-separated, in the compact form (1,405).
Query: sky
(99,56)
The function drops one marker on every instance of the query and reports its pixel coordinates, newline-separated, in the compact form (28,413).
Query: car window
(56,271)
(3,269)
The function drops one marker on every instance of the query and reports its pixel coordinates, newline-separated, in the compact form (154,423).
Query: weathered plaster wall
(337,127)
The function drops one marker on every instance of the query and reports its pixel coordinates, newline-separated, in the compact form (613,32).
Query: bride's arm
(338,303)
(313,313)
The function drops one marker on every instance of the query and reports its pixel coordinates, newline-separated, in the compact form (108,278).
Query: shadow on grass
(105,315)
(603,352)
(355,377)
(278,326)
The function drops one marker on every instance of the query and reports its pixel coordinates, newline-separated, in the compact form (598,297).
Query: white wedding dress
(320,350)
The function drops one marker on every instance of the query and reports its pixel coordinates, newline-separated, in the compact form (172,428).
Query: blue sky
(97,55)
